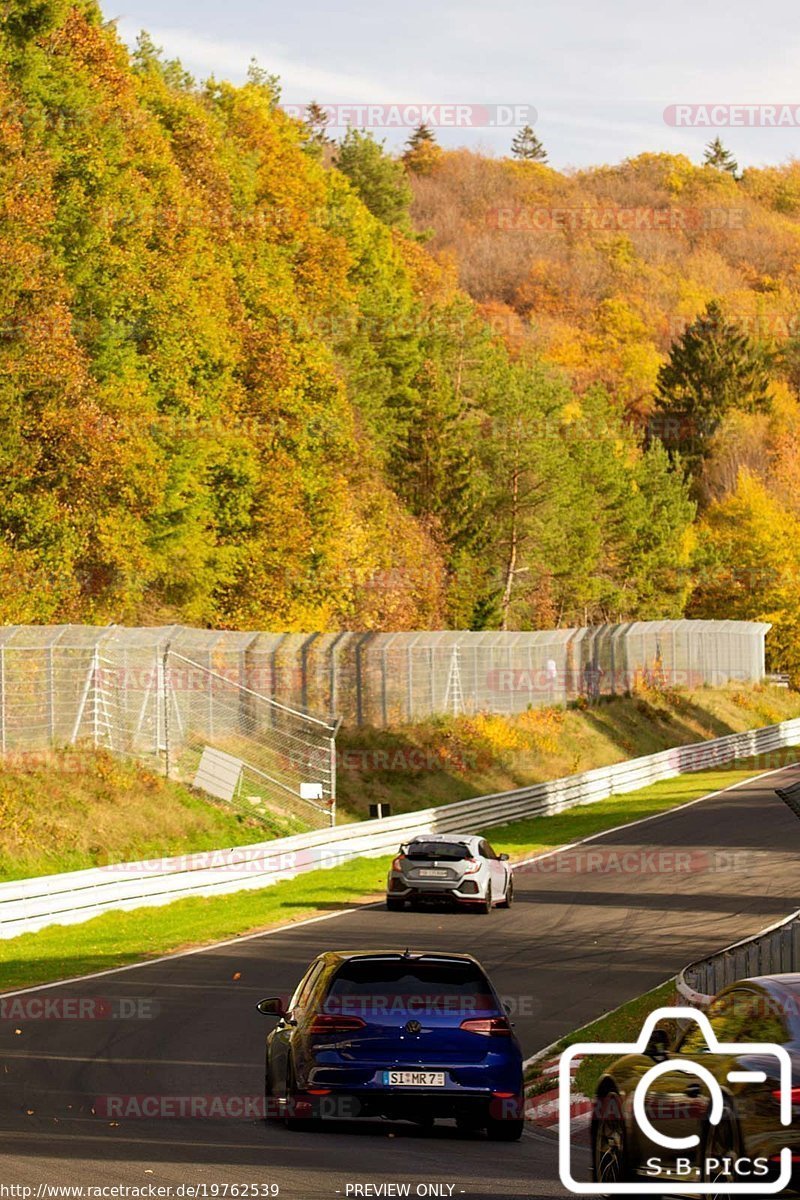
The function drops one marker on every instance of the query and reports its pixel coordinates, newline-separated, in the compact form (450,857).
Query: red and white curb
(544,1109)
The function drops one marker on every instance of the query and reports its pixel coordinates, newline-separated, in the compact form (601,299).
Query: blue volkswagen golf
(399,1035)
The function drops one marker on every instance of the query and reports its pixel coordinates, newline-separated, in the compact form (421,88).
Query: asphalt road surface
(589,929)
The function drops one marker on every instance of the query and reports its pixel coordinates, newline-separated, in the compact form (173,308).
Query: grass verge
(119,938)
(624,1024)
(76,808)
(69,809)
(444,759)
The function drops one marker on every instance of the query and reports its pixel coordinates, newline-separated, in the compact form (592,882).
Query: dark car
(745,1145)
(399,1035)
(457,869)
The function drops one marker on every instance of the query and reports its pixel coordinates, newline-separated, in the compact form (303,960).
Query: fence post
(51,698)
(359,663)
(304,651)
(332,752)
(164,701)
(385,680)
(210,697)
(95,698)
(2,699)
(410,674)
(333,679)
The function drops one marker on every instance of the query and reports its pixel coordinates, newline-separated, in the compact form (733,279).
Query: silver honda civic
(459,869)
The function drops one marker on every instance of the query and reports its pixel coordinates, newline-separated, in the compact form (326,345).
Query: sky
(594,81)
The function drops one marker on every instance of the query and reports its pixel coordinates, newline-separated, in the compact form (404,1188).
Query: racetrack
(585,934)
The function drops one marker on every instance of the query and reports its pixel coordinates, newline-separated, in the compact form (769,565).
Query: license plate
(413,1078)
(431,873)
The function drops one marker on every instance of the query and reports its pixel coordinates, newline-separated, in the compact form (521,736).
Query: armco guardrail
(772,952)
(30,904)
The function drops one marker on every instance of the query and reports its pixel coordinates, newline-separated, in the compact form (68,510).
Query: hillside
(78,808)
(601,273)
(600,270)
(443,760)
(252,378)
(232,395)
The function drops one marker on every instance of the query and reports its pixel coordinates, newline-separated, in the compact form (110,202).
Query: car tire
(508,899)
(295,1124)
(722,1141)
(270,1100)
(485,905)
(394,904)
(609,1149)
(505,1131)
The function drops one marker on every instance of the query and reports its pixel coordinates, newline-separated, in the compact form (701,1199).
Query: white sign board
(218,773)
(310,791)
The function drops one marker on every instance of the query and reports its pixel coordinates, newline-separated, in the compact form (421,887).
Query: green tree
(234,390)
(422,152)
(379,181)
(719,158)
(527,146)
(316,127)
(527,486)
(265,81)
(714,367)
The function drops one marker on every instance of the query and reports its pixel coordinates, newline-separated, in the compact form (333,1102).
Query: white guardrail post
(27,905)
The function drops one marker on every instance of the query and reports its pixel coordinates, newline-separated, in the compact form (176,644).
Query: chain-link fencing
(183,703)
(388,679)
(405,677)
(170,693)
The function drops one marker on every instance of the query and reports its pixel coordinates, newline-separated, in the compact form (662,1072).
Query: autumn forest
(258,376)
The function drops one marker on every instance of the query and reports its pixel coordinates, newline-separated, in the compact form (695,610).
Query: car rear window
(444,851)
(376,986)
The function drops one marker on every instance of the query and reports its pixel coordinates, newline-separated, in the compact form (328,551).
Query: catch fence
(234,712)
(377,679)
(163,697)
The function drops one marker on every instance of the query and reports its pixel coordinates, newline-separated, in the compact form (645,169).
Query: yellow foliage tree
(748,567)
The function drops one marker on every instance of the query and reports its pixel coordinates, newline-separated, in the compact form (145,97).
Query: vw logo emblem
(413,1027)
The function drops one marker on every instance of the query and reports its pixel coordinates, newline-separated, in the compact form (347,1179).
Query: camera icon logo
(656,1137)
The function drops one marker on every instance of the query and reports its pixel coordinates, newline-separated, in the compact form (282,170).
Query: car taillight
(795,1095)
(332,1023)
(488,1026)
(397,861)
(473,865)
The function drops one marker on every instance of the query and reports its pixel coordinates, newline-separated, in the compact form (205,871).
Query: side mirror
(503,857)
(272,1006)
(658,1046)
